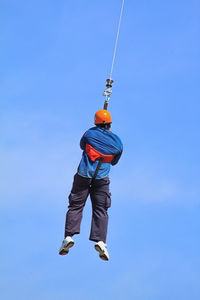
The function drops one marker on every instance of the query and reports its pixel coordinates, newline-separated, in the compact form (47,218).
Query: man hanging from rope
(101,148)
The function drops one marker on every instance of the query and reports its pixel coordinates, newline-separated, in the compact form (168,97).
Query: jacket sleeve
(83,141)
(116,158)
(118,155)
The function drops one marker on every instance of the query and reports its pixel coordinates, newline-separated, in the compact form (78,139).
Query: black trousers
(98,189)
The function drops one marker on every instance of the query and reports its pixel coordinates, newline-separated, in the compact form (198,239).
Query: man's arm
(83,141)
(116,158)
(118,155)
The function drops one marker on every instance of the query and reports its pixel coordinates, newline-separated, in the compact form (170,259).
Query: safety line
(113,61)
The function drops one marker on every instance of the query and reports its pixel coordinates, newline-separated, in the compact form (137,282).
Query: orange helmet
(102,117)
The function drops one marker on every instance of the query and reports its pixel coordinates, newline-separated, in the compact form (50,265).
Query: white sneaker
(66,244)
(101,247)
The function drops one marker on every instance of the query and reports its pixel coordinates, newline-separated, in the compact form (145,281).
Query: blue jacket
(97,141)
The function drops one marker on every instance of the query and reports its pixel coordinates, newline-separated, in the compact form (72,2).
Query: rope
(113,61)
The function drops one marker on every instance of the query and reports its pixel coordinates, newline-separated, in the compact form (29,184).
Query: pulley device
(108,91)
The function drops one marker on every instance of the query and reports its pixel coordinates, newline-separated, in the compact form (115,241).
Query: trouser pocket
(108,200)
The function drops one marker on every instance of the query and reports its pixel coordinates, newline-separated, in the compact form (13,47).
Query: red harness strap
(93,154)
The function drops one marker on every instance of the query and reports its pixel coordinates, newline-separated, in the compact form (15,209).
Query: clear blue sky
(54,59)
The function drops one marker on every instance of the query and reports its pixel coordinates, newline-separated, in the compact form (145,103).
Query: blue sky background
(54,59)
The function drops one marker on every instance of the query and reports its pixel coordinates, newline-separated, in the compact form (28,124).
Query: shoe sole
(65,250)
(101,253)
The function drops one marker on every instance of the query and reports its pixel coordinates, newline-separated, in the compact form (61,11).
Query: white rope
(113,61)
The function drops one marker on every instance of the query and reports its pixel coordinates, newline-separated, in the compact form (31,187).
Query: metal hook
(107,92)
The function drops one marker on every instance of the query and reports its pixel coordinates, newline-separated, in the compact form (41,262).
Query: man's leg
(77,199)
(101,201)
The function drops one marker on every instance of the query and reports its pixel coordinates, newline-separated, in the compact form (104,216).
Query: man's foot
(66,244)
(101,247)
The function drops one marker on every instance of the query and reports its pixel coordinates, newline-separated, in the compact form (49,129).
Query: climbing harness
(108,91)
(97,168)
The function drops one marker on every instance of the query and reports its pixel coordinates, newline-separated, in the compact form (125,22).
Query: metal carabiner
(107,92)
